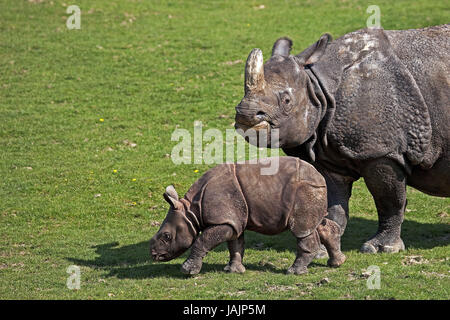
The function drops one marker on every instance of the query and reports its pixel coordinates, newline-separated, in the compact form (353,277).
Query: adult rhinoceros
(373,104)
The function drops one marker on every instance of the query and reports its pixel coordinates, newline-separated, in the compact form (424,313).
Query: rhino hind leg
(330,235)
(386,182)
(210,238)
(307,248)
(236,249)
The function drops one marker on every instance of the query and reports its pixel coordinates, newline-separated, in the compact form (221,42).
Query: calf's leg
(236,249)
(330,235)
(210,238)
(307,248)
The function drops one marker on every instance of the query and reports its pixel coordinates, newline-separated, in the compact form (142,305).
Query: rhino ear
(171,196)
(313,53)
(282,47)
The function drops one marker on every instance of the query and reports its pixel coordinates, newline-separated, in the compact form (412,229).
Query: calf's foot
(210,238)
(234,267)
(337,260)
(191,267)
(297,270)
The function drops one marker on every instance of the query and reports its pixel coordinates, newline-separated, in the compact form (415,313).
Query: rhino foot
(234,268)
(191,267)
(297,270)
(336,261)
(375,245)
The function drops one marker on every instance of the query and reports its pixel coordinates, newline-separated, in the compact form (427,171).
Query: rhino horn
(254,71)
(282,47)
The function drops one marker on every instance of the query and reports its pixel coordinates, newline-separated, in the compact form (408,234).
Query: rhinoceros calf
(234,197)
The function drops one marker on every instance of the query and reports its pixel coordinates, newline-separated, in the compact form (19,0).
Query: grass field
(86,120)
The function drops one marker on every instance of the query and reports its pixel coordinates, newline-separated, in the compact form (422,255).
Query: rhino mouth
(161,258)
(166,256)
(263,125)
(259,134)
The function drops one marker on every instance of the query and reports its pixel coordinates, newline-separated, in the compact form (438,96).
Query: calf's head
(176,234)
(278,94)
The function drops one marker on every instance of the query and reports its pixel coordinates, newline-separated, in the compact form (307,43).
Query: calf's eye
(167,236)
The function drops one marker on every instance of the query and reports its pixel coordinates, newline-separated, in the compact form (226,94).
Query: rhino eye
(167,236)
(285,98)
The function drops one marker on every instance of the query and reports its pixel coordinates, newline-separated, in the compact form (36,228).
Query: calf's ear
(171,196)
(313,53)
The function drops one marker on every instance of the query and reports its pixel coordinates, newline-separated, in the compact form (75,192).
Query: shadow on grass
(133,261)
(414,234)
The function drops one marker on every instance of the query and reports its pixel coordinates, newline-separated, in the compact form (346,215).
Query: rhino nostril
(260,114)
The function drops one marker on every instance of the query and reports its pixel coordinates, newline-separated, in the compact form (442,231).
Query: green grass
(147,67)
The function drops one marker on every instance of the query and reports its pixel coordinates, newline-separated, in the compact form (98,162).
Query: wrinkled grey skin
(234,197)
(372,104)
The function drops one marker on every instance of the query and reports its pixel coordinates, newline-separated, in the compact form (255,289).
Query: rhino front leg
(339,190)
(236,249)
(210,238)
(386,182)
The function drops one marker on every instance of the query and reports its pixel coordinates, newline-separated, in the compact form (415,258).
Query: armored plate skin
(237,194)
